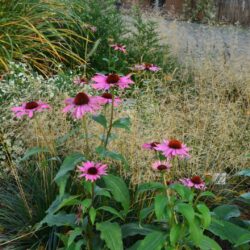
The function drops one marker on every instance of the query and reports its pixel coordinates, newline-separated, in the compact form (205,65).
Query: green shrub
(200,10)
(107,20)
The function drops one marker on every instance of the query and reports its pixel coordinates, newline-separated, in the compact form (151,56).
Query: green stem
(92,193)
(110,122)
(85,127)
(197,198)
(89,236)
(89,226)
(104,128)
(173,219)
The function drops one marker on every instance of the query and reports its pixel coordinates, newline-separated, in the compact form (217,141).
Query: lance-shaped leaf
(119,190)
(111,234)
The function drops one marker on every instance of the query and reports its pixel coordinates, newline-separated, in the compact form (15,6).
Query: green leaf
(92,51)
(73,234)
(244,239)
(78,245)
(154,240)
(209,244)
(68,165)
(60,219)
(102,192)
(175,234)
(160,205)
(227,211)
(135,246)
(69,201)
(60,202)
(187,211)
(228,231)
(245,196)
(132,229)
(86,203)
(111,234)
(63,237)
(145,212)
(122,123)
(195,233)
(34,151)
(111,210)
(151,186)
(245,172)
(101,119)
(183,191)
(207,194)
(87,185)
(119,190)
(112,154)
(92,215)
(206,216)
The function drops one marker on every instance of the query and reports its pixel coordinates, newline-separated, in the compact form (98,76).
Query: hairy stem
(89,226)
(110,122)
(85,127)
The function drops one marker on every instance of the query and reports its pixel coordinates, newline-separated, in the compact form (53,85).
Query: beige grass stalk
(14,172)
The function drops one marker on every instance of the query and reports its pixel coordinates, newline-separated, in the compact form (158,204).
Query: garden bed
(124,148)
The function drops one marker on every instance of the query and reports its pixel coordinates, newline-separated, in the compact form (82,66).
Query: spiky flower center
(92,171)
(107,96)
(196,180)
(31,105)
(120,46)
(83,80)
(154,144)
(147,66)
(162,167)
(113,78)
(81,99)
(175,144)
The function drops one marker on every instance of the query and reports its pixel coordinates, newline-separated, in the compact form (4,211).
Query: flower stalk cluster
(171,150)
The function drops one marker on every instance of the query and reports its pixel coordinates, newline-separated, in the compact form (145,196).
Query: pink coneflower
(161,166)
(107,97)
(147,67)
(79,80)
(173,148)
(82,104)
(92,171)
(105,82)
(29,108)
(119,47)
(150,146)
(195,182)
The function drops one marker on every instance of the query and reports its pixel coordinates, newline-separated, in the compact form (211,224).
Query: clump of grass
(39,33)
